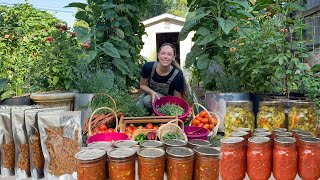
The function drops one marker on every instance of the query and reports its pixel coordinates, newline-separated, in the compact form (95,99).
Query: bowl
(107,137)
(172,100)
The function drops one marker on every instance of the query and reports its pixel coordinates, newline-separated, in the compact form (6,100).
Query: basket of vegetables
(171,130)
(171,106)
(204,124)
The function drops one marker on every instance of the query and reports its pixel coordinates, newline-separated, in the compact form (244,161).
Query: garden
(251,76)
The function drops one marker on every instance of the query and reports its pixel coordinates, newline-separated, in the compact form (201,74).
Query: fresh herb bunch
(124,102)
(170,110)
(171,136)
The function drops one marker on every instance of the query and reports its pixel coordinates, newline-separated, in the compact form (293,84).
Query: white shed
(165,28)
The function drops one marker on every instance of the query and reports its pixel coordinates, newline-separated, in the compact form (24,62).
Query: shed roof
(163,17)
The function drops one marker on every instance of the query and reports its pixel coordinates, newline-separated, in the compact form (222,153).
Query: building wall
(165,26)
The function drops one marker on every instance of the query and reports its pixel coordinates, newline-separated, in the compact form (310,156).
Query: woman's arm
(177,94)
(145,88)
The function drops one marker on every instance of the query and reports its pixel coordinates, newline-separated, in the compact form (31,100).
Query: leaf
(82,15)
(203,61)
(77,5)
(110,50)
(3,81)
(203,40)
(7,94)
(193,18)
(192,55)
(83,34)
(55,80)
(121,65)
(243,3)
(226,25)
(90,56)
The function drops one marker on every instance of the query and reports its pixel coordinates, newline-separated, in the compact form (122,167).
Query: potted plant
(215,23)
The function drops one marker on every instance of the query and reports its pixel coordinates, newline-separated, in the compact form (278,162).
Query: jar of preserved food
(174,143)
(101,145)
(265,134)
(180,163)
(309,158)
(238,114)
(271,115)
(198,142)
(302,134)
(206,164)
(242,134)
(151,162)
(257,130)
(233,158)
(259,158)
(303,116)
(121,163)
(295,131)
(248,130)
(91,164)
(283,134)
(277,130)
(285,158)
(151,144)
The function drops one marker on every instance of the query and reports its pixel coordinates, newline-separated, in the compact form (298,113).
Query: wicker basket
(215,129)
(171,127)
(139,131)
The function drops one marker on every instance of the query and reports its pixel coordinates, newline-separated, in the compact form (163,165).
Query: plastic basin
(200,134)
(107,137)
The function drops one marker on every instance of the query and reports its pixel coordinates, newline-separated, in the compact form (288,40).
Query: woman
(161,78)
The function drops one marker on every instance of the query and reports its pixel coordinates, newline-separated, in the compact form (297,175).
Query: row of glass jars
(196,161)
(258,159)
(271,115)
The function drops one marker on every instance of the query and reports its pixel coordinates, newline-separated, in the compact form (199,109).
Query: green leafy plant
(113,39)
(4,89)
(214,22)
(271,59)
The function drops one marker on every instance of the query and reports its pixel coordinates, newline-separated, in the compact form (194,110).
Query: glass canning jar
(151,144)
(151,163)
(244,135)
(121,163)
(259,158)
(285,158)
(303,116)
(206,164)
(91,164)
(179,163)
(174,143)
(309,158)
(238,114)
(248,130)
(233,159)
(198,142)
(271,115)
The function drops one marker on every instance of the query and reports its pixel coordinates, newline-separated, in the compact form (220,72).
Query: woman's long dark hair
(177,66)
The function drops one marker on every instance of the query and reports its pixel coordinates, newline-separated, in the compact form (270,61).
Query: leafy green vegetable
(170,110)
(171,136)
(140,137)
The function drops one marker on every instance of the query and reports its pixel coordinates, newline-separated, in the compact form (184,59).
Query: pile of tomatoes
(102,129)
(203,120)
(131,128)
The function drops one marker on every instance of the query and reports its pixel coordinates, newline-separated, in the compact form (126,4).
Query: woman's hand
(154,96)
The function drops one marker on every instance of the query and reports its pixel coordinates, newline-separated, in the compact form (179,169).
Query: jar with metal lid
(277,130)
(265,134)
(174,143)
(259,158)
(294,132)
(121,163)
(198,142)
(151,163)
(106,146)
(233,163)
(179,163)
(271,115)
(257,130)
(127,144)
(248,130)
(303,116)
(285,158)
(303,134)
(206,164)
(151,144)
(91,164)
(238,114)
(283,134)
(242,134)
(309,158)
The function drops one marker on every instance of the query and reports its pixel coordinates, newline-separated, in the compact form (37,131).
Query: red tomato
(96,130)
(110,130)
(103,131)
(156,127)
(200,125)
(149,126)
(102,127)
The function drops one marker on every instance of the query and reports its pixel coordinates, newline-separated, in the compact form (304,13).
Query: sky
(55,7)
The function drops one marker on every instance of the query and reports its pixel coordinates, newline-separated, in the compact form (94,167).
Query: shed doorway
(169,38)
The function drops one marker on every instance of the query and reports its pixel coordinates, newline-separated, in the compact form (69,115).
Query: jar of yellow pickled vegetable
(303,116)
(271,115)
(238,114)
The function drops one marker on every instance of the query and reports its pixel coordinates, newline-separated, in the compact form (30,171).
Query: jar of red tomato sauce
(244,135)
(259,158)
(206,164)
(265,134)
(309,158)
(233,158)
(277,130)
(248,130)
(179,163)
(285,158)
(91,164)
(121,163)
(151,163)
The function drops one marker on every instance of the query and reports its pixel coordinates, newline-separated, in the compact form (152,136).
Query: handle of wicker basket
(159,131)
(104,94)
(173,121)
(215,129)
(102,108)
